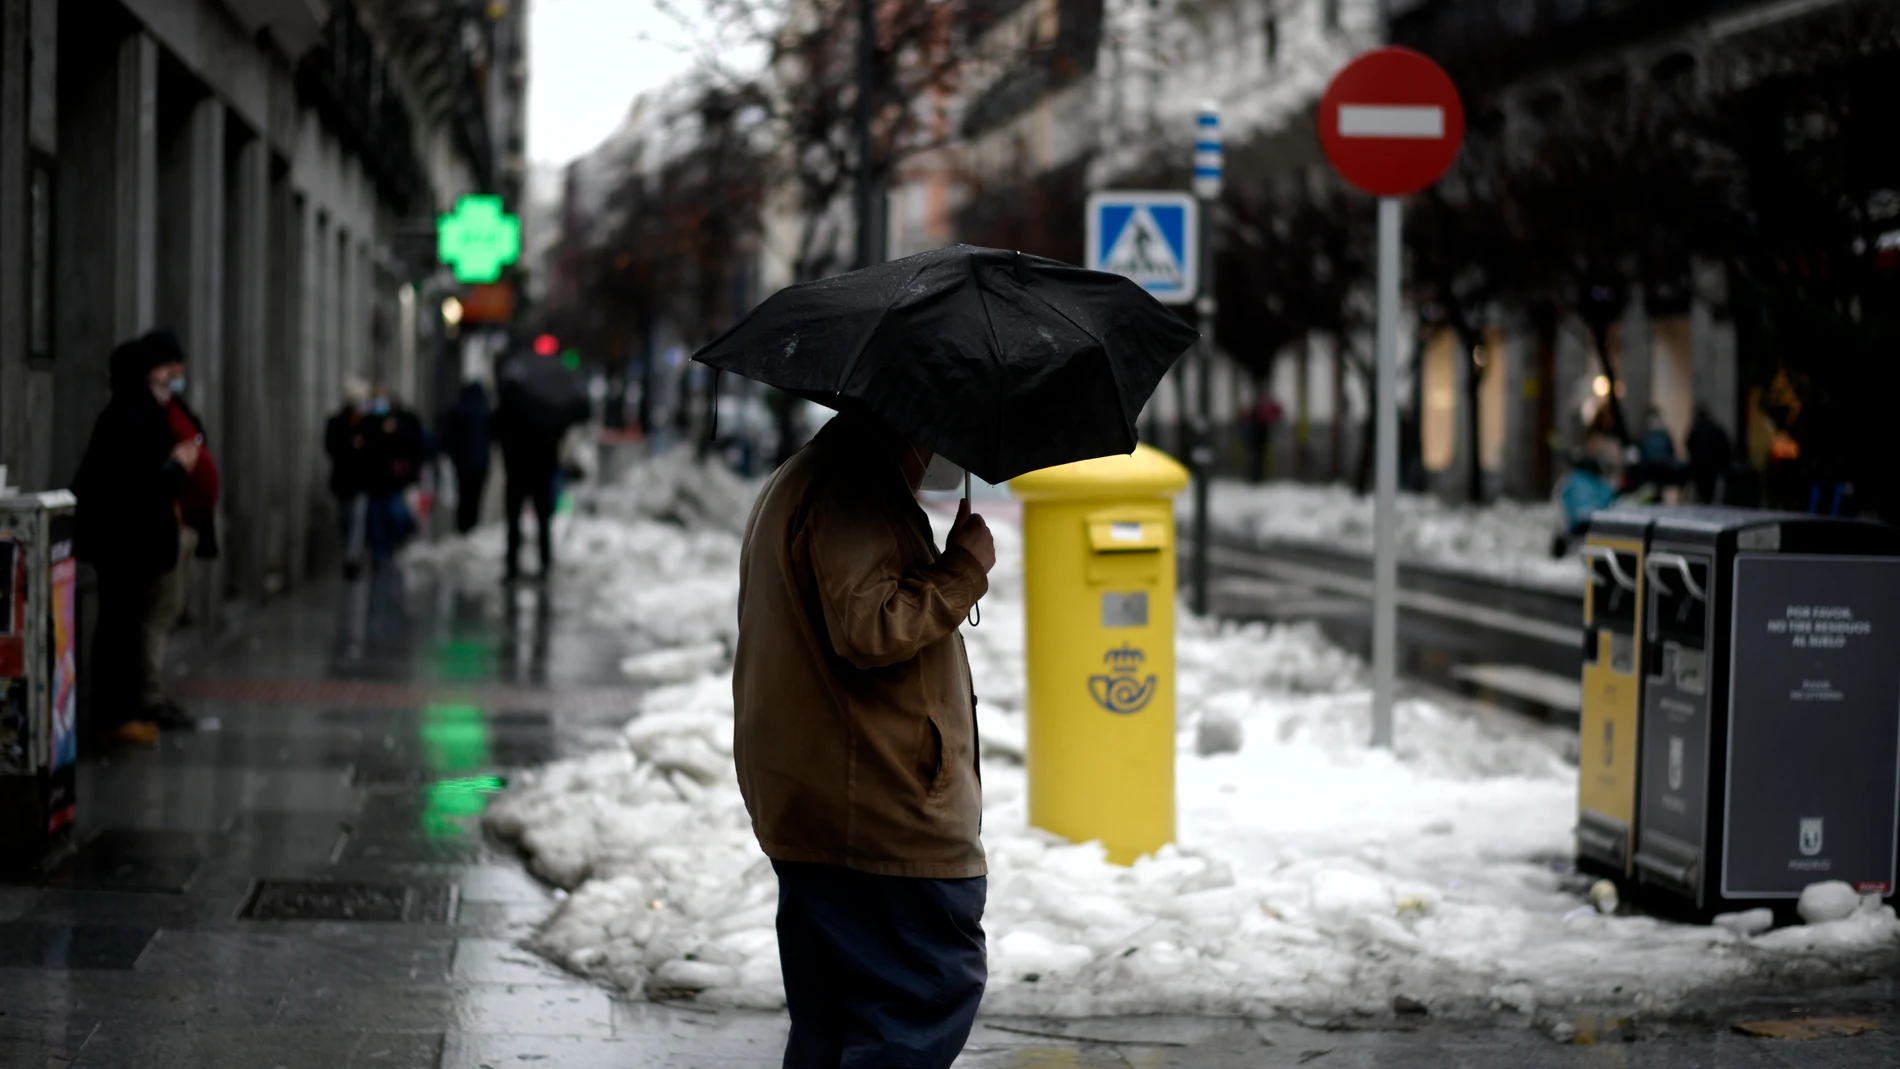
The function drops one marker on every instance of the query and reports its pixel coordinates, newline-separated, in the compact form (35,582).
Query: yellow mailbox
(1098,562)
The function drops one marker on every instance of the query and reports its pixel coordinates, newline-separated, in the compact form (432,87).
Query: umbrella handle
(976,610)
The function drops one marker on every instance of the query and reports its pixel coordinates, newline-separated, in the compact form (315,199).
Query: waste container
(1771,708)
(1612,689)
(1099,577)
(39,736)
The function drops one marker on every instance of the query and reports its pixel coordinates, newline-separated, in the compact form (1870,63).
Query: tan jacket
(855,732)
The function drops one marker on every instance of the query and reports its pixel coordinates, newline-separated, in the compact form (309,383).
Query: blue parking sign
(1152,238)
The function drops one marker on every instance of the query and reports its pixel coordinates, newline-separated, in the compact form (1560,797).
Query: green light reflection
(455,740)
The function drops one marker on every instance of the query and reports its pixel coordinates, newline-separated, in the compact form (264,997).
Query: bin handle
(1608,557)
(1680,564)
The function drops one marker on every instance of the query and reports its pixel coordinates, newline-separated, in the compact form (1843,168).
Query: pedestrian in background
(346,443)
(148,495)
(469,445)
(393,455)
(540,401)
(855,741)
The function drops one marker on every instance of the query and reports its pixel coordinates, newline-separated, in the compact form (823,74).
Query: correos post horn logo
(1123,690)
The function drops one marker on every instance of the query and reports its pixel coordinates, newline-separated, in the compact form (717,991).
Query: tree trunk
(1302,413)
(1337,432)
(1600,336)
(1262,443)
(1546,334)
(1368,429)
(1475,372)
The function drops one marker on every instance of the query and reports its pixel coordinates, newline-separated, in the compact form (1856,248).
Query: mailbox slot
(1126,544)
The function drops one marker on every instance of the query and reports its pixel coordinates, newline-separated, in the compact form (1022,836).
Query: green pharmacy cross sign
(478,239)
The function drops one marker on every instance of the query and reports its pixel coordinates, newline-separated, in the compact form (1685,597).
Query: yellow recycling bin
(1610,725)
(1098,563)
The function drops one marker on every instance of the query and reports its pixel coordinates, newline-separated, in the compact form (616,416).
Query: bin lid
(1624,521)
(1782,532)
(1147,472)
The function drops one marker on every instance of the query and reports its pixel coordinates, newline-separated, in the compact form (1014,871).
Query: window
(1329,12)
(1273,38)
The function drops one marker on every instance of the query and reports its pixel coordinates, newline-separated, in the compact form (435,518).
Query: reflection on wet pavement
(309,887)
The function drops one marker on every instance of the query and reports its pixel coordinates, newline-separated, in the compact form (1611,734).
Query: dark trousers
(469,484)
(530,485)
(881,972)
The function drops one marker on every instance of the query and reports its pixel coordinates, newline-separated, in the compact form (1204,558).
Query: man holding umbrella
(855,714)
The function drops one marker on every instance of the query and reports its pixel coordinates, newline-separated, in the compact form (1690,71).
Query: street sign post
(1391,123)
(1209,159)
(1152,238)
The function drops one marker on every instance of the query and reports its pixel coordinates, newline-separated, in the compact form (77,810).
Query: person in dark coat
(1710,454)
(393,453)
(467,441)
(346,443)
(148,491)
(530,455)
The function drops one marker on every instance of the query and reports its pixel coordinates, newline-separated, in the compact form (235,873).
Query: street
(363,731)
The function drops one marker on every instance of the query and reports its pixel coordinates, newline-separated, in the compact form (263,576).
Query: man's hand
(186,453)
(973,535)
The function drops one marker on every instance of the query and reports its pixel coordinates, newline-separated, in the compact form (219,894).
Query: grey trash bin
(1770,754)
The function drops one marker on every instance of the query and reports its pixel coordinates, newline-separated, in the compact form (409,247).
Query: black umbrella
(1002,362)
(543,394)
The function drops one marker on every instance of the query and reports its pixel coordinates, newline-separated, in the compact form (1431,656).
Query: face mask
(942,473)
(176,385)
(379,408)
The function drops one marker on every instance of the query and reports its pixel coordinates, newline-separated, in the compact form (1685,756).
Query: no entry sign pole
(1391,123)
(1385,509)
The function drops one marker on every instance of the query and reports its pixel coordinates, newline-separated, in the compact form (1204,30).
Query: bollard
(1099,578)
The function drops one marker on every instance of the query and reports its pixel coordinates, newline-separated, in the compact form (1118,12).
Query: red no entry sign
(1391,122)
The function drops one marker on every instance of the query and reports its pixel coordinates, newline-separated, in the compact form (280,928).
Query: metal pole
(1203,456)
(1207,186)
(1385,552)
(867,57)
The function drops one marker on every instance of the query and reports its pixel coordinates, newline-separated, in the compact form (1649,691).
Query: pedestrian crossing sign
(1152,238)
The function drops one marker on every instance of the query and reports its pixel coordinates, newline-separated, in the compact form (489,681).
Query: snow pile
(1310,872)
(1506,540)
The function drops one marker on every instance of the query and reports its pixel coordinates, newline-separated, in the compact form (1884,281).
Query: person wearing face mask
(148,493)
(856,745)
(392,462)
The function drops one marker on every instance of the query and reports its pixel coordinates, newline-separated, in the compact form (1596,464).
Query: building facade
(253,174)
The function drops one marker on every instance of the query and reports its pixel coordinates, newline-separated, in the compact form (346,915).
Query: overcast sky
(587,60)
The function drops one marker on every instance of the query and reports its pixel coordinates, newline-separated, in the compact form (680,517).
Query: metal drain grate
(322,900)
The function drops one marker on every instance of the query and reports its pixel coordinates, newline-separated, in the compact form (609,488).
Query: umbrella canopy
(1004,363)
(542,394)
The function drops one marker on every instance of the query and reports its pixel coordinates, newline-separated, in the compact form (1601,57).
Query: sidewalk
(308,887)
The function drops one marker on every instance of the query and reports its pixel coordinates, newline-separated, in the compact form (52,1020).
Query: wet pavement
(308,886)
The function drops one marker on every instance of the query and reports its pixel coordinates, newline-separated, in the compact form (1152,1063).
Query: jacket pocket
(930,763)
